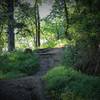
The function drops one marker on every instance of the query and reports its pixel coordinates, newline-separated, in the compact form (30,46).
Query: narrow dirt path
(48,59)
(31,87)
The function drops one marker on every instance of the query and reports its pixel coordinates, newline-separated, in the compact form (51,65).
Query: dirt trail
(31,87)
(48,59)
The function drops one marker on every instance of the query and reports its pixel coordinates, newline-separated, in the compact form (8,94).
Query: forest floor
(31,87)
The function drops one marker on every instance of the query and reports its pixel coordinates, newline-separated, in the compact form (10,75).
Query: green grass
(18,64)
(68,84)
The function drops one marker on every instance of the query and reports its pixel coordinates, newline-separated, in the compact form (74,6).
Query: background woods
(68,31)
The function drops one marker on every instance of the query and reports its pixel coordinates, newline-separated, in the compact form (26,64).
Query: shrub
(69,55)
(19,62)
(49,44)
(68,84)
(10,75)
(84,56)
(76,55)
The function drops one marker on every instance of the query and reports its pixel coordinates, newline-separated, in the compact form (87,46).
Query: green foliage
(10,75)
(49,44)
(18,62)
(84,55)
(69,55)
(71,96)
(76,55)
(67,84)
(1,44)
(54,43)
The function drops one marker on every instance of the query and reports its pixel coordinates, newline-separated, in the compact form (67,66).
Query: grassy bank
(17,64)
(68,84)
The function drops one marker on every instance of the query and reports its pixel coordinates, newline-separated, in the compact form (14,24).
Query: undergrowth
(16,64)
(68,84)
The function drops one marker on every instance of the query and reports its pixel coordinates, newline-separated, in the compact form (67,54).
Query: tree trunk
(1,40)
(37,24)
(67,17)
(57,32)
(38,17)
(11,35)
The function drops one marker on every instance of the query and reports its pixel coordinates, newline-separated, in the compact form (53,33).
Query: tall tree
(37,23)
(11,35)
(66,16)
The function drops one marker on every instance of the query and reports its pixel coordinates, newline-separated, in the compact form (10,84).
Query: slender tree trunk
(57,32)
(11,35)
(1,26)
(67,17)
(38,17)
(1,41)
(37,24)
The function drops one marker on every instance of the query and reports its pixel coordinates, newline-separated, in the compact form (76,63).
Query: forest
(49,49)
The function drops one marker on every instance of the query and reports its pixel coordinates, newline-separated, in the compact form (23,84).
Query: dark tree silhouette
(11,35)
